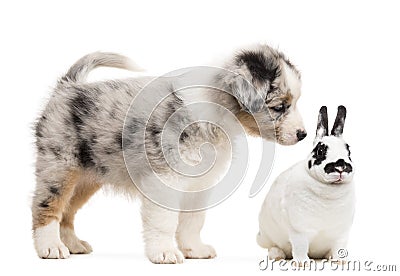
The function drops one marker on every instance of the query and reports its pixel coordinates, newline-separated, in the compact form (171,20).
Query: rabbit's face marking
(319,153)
(348,150)
(338,166)
(330,161)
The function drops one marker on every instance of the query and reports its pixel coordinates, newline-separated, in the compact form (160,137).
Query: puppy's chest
(214,159)
(205,144)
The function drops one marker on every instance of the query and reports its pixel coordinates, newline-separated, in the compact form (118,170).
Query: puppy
(87,137)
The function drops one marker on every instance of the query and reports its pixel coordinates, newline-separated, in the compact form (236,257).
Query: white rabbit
(309,209)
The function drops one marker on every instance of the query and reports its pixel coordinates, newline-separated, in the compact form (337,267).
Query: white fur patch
(47,241)
(293,82)
(199,251)
(158,254)
(188,237)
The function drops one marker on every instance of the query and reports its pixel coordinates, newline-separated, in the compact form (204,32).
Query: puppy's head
(267,87)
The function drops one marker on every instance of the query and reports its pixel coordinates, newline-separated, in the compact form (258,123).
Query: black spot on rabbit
(338,166)
(319,153)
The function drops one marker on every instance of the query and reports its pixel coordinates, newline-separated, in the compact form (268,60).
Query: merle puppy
(79,140)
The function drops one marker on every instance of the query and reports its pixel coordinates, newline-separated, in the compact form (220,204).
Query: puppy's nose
(301,134)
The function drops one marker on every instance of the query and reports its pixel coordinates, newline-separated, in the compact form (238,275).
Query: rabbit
(308,211)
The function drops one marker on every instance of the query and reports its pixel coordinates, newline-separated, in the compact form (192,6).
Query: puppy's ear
(338,126)
(256,71)
(247,95)
(322,125)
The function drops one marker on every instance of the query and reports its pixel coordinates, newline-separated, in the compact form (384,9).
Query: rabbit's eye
(319,153)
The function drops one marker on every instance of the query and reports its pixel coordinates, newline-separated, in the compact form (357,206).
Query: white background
(348,53)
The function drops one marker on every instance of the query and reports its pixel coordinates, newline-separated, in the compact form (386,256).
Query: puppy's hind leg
(84,189)
(188,236)
(159,227)
(53,191)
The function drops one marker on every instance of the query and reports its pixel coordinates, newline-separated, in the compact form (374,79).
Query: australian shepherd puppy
(111,132)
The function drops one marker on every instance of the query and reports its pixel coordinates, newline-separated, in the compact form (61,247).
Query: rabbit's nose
(301,134)
(340,165)
(339,169)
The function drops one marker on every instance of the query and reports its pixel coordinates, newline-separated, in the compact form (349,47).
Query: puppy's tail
(80,70)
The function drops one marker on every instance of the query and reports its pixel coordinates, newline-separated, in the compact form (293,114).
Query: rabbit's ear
(338,126)
(322,125)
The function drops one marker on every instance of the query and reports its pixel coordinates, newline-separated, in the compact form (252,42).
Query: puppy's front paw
(79,247)
(199,251)
(75,245)
(47,242)
(54,251)
(165,256)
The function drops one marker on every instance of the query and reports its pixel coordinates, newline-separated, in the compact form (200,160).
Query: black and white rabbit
(309,209)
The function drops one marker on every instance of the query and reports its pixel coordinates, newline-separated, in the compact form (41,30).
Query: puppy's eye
(320,152)
(278,108)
